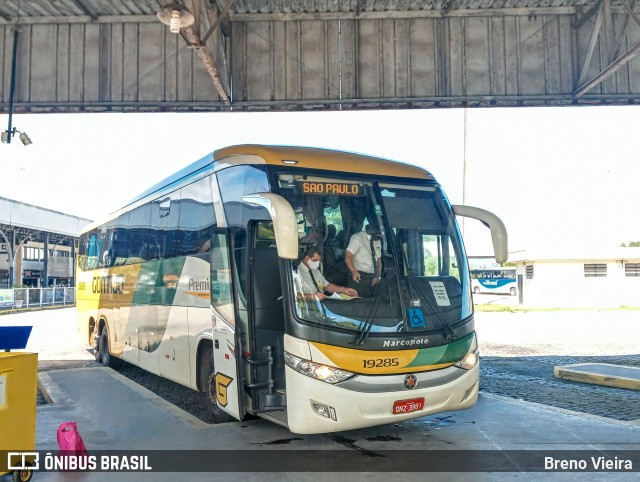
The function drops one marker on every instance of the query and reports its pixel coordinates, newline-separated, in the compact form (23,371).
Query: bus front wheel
(476,290)
(512,291)
(95,344)
(23,475)
(103,349)
(207,385)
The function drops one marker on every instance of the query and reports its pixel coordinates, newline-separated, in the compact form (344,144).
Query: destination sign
(332,188)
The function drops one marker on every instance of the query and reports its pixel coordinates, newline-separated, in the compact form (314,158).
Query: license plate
(408,406)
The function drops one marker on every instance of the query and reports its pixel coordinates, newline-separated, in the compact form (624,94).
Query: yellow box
(18,392)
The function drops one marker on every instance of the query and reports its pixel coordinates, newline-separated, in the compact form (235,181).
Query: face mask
(313,264)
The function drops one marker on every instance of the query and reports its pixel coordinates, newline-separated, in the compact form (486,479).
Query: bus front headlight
(318,371)
(470,360)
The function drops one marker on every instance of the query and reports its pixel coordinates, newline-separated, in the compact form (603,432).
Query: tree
(632,244)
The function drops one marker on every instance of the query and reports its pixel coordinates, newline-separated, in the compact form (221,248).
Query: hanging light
(174,24)
(7,135)
(176,16)
(24,138)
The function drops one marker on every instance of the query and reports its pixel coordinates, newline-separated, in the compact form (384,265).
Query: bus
(197,280)
(494,280)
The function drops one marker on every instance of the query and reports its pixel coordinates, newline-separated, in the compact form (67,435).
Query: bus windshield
(413,274)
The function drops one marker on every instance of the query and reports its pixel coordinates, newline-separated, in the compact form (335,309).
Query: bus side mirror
(498,230)
(284,221)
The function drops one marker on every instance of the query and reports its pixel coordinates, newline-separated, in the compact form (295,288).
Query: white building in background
(604,279)
(37,245)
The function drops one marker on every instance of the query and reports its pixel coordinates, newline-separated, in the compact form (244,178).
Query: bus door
(227,350)
(266,321)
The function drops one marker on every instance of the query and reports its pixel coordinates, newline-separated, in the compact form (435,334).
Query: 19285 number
(380,362)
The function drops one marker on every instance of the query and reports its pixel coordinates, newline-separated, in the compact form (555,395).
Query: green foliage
(632,244)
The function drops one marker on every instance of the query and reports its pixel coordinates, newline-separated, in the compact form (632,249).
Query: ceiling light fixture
(176,16)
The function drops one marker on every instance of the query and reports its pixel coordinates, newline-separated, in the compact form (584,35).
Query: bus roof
(316,158)
(304,157)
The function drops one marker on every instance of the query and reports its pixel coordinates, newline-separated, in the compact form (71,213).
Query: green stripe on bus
(157,282)
(451,353)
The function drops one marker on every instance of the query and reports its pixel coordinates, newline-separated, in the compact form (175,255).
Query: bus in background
(198,280)
(494,280)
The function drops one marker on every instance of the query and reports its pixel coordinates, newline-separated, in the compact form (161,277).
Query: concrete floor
(113,413)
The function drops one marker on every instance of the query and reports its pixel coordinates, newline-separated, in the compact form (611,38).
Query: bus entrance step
(618,376)
(279,417)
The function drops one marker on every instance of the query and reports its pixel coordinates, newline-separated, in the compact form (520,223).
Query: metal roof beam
(221,17)
(610,70)
(405,14)
(630,10)
(595,7)
(592,45)
(80,19)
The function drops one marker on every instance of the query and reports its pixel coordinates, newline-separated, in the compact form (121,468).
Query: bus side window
(197,216)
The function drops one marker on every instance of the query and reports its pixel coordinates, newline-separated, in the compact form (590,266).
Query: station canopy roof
(32,10)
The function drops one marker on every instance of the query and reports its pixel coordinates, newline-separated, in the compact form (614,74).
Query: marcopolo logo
(404,343)
(23,461)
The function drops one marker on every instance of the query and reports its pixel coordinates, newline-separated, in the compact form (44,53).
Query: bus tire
(96,347)
(103,348)
(23,475)
(476,290)
(512,291)
(207,385)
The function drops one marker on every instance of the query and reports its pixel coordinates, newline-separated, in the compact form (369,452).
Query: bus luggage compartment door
(227,351)
(225,365)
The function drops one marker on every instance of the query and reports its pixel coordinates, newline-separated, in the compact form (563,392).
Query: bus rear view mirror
(284,221)
(498,230)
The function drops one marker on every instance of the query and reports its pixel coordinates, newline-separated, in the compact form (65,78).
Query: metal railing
(37,297)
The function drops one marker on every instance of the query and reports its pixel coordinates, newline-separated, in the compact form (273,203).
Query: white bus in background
(494,280)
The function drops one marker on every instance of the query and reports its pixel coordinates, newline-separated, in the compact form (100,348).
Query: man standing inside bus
(364,259)
(314,284)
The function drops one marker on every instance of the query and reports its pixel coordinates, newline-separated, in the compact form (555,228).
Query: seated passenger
(314,284)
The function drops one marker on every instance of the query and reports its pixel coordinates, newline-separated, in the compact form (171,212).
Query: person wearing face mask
(314,284)
(364,259)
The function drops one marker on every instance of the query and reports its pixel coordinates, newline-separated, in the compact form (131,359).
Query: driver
(314,284)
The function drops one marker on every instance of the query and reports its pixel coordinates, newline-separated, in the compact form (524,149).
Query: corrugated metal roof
(11,9)
(74,8)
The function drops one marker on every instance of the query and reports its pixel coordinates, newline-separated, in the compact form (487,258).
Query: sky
(556,176)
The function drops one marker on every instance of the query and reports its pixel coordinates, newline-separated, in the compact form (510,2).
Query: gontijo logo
(108,285)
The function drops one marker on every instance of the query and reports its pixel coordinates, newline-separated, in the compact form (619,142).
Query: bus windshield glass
(396,245)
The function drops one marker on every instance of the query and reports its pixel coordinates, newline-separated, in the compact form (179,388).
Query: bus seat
(267,293)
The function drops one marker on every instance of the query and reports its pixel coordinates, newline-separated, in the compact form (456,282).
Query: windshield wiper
(367,324)
(443,326)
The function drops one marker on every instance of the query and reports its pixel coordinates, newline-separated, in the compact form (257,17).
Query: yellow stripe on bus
(374,362)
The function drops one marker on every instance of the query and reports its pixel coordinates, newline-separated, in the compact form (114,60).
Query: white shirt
(359,247)
(308,286)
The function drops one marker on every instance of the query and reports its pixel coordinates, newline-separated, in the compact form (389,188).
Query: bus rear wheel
(206,383)
(512,291)
(476,290)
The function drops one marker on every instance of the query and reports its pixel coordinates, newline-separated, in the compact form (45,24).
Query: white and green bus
(197,280)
